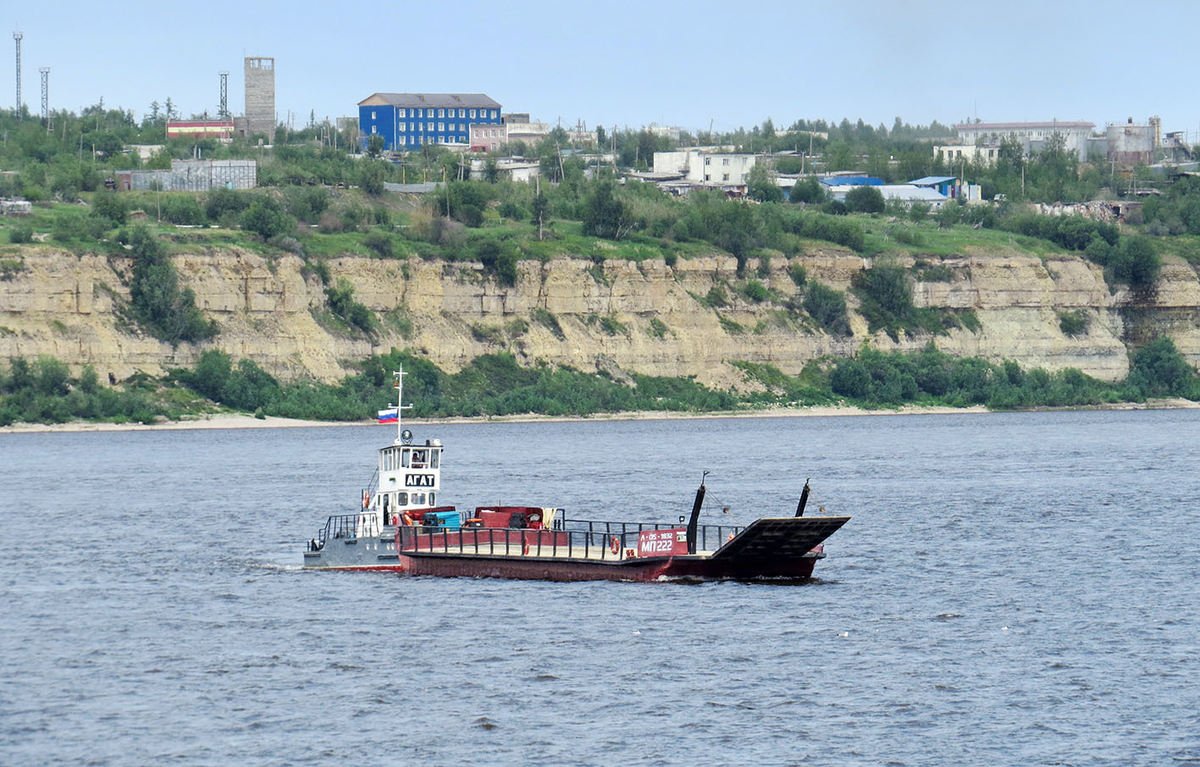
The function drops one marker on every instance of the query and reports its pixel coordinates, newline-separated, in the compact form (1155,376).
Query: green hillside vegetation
(494,385)
(318,201)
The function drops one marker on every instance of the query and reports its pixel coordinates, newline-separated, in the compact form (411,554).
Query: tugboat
(401,528)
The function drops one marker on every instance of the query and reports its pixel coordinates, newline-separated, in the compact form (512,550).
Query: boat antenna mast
(400,406)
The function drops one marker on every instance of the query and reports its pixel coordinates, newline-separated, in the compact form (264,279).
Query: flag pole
(400,406)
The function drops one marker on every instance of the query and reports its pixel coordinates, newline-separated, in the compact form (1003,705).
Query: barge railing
(578,539)
(346,526)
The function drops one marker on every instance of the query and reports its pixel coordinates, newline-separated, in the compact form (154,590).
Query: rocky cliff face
(570,312)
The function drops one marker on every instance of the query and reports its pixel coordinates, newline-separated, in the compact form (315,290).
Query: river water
(1012,589)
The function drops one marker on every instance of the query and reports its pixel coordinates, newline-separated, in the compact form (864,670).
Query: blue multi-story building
(408,121)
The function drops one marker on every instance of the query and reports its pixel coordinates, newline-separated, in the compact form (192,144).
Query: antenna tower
(46,96)
(223,111)
(17,39)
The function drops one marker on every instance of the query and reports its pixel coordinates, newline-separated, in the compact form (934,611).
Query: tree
(154,292)
(371,177)
(374,146)
(605,215)
(540,208)
(807,190)
(110,205)
(266,218)
(1159,369)
(491,171)
(760,186)
(839,156)
(1134,262)
(864,199)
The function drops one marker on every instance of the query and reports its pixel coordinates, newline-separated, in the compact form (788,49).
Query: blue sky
(630,63)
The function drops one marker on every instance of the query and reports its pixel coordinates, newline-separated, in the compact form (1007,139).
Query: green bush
(864,199)
(183,209)
(266,218)
(1073,322)
(828,307)
(341,302)
(110,205)
(167,311)
(886,296)
(221,203)
(1159,370)
(381,242)
(716,297)
(69,225)
(1134,262)
(755,291)
(798,274)
(20,233)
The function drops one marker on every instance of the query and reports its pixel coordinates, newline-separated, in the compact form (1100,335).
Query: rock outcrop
(645,317)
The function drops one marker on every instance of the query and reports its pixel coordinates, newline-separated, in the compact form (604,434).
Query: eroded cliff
(572,312)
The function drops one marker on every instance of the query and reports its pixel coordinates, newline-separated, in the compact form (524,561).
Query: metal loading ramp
(781,539)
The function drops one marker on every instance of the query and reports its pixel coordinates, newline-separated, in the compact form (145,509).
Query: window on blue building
(462,113)
(402,113)
(372,114)
(429,127)
(472,114)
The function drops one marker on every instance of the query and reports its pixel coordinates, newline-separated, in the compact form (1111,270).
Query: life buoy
(525,548)
(615,545)
(730,538)
(366,498)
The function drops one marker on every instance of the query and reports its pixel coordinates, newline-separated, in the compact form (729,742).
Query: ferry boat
(402,528)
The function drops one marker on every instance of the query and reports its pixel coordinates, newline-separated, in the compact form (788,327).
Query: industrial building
(1033,136)
(409,121)
(192,176)
(1130,144)
(200,129)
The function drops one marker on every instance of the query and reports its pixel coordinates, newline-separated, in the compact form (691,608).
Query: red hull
(634,570)
(532,568)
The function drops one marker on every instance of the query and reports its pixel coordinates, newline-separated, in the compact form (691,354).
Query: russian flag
(391,415)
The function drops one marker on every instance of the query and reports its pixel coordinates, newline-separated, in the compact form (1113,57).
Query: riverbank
(244,421)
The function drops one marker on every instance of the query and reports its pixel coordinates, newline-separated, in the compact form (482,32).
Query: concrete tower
(260,96)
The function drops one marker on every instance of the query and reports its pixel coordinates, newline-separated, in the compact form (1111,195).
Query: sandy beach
(244,421)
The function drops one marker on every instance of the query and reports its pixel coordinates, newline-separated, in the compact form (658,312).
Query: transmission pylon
(223,111)
(46,96)
(17,39)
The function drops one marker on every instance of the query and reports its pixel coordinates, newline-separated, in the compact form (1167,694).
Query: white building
(905,194)
(670,131)
(701,167)
(956,153)
(1032,136)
